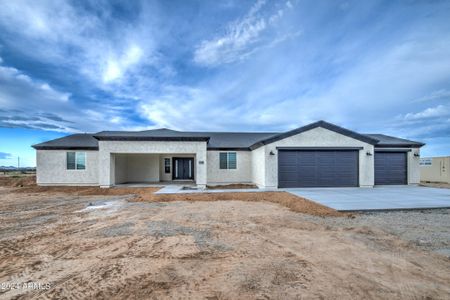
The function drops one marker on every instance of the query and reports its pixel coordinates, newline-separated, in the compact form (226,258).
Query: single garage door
(317,168)
(390,168)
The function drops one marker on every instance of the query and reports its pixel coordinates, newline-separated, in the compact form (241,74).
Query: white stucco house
(316,155)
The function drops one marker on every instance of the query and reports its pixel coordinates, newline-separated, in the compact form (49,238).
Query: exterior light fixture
(416,154)
(271,153)
(368,154)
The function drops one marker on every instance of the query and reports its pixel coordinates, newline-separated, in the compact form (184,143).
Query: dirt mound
(285,199)
(17,181)
(232,186)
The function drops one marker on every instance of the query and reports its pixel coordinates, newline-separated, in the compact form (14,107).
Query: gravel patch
(428,229)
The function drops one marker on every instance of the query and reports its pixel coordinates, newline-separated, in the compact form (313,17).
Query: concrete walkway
(182,189)
(377,198)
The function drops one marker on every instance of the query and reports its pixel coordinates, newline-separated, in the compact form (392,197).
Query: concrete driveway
(381,197)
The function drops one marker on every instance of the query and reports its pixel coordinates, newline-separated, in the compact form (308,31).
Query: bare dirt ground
(85,244)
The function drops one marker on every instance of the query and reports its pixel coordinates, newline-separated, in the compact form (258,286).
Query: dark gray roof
(79,141)
(162,134)
(237,140)
(216,140)
(391,141)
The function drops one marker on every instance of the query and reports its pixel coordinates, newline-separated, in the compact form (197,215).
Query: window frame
(227,161)
(77,153)
(167,165)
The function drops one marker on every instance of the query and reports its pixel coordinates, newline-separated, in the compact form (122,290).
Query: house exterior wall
(120,168)
(259,166)
(242,173)
(107,149)
(319,137)
(438,171)
(52,170)
(413,166)
(136,168)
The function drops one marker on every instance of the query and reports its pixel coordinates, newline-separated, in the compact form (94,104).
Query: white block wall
(318,137)
(52,170)
(109,148)
(242,173)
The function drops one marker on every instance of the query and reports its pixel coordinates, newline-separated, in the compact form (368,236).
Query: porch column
(201,167)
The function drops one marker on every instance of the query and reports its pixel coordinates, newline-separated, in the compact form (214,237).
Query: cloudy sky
(86,66)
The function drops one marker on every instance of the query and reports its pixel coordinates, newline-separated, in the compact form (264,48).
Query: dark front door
(183,168)
(317,168)
(390,168)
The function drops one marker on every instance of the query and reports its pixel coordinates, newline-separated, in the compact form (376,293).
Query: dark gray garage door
(390,168)
(317,168)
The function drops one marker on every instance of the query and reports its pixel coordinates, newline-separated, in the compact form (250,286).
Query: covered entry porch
(152,162)
(132,168)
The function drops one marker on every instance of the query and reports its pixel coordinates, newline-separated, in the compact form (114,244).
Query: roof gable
(308,127)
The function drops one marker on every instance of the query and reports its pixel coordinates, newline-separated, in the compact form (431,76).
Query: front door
(183,168)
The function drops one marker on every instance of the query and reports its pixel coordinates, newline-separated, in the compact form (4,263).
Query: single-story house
(316,155)
(435,169)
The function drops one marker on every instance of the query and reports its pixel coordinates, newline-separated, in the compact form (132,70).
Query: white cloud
(30,103)
(14,85)
(240,39)
(431,112)
(116,68)
(58,33)
(442,94)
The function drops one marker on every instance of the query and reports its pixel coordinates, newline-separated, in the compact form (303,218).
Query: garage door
(390,168)
(317,168)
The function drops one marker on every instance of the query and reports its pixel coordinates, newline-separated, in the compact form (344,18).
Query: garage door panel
(318,168)
(390,168)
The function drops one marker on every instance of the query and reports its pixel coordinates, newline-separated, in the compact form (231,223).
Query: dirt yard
(72,243)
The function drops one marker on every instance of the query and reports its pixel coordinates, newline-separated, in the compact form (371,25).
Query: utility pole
(18,162)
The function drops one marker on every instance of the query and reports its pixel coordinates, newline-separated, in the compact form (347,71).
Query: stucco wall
(136,168)
(51,169)
(413,167)
(319,137)
(439,171)
(259,166)
(120,169)
(154,147)
(242,173)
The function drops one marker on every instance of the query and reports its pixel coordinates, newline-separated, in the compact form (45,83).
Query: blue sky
(86,66)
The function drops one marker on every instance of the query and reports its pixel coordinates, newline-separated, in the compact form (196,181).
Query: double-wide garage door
(317,168)
(390,168)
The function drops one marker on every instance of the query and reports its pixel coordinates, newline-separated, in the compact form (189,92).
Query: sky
(231,65)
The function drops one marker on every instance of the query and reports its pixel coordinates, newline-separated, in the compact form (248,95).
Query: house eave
(64,148)
(160,139)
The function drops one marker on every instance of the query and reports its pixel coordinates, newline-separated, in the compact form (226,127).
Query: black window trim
(76,165)
(227,162)
(167,165)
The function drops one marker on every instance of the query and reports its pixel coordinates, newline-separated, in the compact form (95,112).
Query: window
(227,160)
(76,160)
(166,165)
